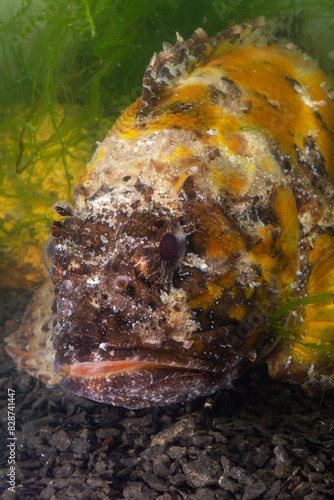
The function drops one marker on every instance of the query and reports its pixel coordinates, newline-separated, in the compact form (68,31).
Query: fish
(201,233)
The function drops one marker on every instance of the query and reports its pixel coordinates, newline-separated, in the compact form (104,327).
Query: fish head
(140,319)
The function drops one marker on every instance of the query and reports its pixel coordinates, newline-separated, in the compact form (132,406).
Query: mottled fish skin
(207,207)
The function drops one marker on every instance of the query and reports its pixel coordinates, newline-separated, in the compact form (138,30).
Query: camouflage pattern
(207,208)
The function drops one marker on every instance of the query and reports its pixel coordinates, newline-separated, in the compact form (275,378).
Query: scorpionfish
(207,209)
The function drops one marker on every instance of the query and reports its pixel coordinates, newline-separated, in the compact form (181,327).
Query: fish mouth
(102,368)
(137,383)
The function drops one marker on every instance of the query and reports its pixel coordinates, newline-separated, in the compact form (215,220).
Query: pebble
(176,452)
(47,493)
(254,490)
(64,471)
(228,485)
(161,465)
(137,491)
(202,472)
(203,494)
(60,440)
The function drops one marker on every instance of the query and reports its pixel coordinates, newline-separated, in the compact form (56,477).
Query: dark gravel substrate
(260,439)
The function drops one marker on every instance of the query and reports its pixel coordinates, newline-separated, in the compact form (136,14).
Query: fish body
(208,207)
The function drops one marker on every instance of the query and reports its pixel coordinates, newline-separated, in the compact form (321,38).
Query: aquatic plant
(310,344)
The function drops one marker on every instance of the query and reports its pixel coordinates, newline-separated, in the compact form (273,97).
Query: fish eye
(48,254)
(169,247)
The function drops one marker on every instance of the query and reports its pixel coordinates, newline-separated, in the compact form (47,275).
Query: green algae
(298,306)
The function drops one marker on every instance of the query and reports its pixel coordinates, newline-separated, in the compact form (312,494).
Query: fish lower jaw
(139,384)
(102,368)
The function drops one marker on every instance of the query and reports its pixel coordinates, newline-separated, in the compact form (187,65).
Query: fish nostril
(118,304)
(121,282)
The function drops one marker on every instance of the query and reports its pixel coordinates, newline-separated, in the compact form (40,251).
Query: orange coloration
(200,118)
(188,108)
(228,243)
(287,242)
(126,123)
(278,253)
(278,109)
(311,350)
(229,181)
(318,325)
(227,281)
(321,260)
(226,125)
(179,153)
(99,158)
(205,299)
(215,247)
(188,94)
(237,312)
(252,339)
(180,181)
(263,252)
(131,112)
(88,171)
(236,143)
(103,368)
(210,202)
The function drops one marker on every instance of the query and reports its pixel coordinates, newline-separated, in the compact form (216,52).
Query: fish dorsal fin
(176,61)
(171,64)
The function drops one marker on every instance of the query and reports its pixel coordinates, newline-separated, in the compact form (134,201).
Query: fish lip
(124,360)
(140,378)
(102,368)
